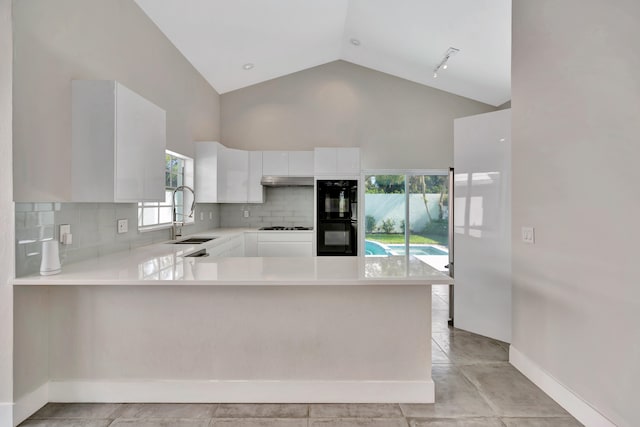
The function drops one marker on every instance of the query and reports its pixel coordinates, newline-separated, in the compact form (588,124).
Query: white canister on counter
(50,258)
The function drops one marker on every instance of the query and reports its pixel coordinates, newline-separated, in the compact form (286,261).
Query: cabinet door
(139,148)
(207,153)
(256,190)
(348,161)
(233,175)
(155,146)
(251,244)
(284,249)
(301,163)
(275,163)
(324,161)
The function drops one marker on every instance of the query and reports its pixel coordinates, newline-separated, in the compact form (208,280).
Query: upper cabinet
(255,193)
(300,163)
(222,174)
(339,161)
(275,163)
(287,163)
(118,144)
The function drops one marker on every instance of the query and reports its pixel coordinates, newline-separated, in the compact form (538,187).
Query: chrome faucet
(176,226)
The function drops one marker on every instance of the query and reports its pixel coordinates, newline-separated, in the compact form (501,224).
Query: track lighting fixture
(443,64)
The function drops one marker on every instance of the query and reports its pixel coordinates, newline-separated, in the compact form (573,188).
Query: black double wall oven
(337,221)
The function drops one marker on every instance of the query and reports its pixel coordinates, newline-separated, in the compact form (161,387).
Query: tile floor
(475,387)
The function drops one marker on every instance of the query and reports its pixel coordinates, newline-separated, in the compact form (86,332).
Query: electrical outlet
(245,213)
(123,226)
(65,230)
(528,235)
(210,215)
(201,216)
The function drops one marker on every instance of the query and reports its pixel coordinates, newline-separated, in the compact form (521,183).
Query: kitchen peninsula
(238,329)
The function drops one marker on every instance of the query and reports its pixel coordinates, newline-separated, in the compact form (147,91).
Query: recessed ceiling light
(247,66)
(355,42)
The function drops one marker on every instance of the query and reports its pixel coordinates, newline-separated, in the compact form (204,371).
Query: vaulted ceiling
(405,38)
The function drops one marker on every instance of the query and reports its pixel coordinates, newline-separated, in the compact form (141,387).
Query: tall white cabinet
(482,224)
(118,144)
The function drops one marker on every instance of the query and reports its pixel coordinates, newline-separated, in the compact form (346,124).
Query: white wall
(6,218)
(57,41)
(396,123)
(576,110)
(482,224)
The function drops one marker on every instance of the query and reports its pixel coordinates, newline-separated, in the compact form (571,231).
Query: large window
(178,171)
(407,212)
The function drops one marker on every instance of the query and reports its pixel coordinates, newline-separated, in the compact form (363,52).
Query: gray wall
(93,226)
(576,299)
(57,41)
(6,217)
(287,206)
(397,123)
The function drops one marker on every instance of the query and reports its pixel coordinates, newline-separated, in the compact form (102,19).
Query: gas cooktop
(281,228)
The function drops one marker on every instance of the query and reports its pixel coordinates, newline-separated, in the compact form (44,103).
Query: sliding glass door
(408,212)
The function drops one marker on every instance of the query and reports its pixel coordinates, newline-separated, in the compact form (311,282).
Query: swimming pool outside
(376,248)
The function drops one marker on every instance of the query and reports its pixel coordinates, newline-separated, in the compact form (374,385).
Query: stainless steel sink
(192,240)
(198,254)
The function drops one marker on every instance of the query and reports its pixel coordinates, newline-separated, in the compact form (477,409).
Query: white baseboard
(565,397)
(28,404)
(243,391)
(6,414)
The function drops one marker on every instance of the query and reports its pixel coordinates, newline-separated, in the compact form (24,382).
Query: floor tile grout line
(480,391)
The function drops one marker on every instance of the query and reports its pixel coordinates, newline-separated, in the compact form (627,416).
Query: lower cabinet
(251,243)
(234,247)
(264,244)
(285,244)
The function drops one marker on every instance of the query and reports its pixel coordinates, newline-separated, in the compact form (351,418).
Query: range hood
(287,181)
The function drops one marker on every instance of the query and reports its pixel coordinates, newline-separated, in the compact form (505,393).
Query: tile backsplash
(93,226)
(287,206)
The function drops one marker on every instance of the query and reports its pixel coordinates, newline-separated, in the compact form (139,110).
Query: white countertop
(165,264)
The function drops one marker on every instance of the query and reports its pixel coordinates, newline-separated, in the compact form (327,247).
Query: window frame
(187,178)
(361,202)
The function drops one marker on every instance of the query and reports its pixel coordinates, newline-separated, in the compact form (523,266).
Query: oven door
(337,238)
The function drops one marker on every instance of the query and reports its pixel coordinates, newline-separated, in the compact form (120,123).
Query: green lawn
(399,239)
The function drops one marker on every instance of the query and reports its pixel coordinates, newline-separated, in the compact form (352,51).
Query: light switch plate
(123,226)
(201,216)
(528,235)
(245,214)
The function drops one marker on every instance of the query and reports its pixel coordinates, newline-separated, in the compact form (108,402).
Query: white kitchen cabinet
(251,243)
(230,247)
(255,192)
(118,144)
(300,163)
(222,174)
(233,176)
(287,163)
(208,155)
(275,163)
(285,244)
(338,161)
